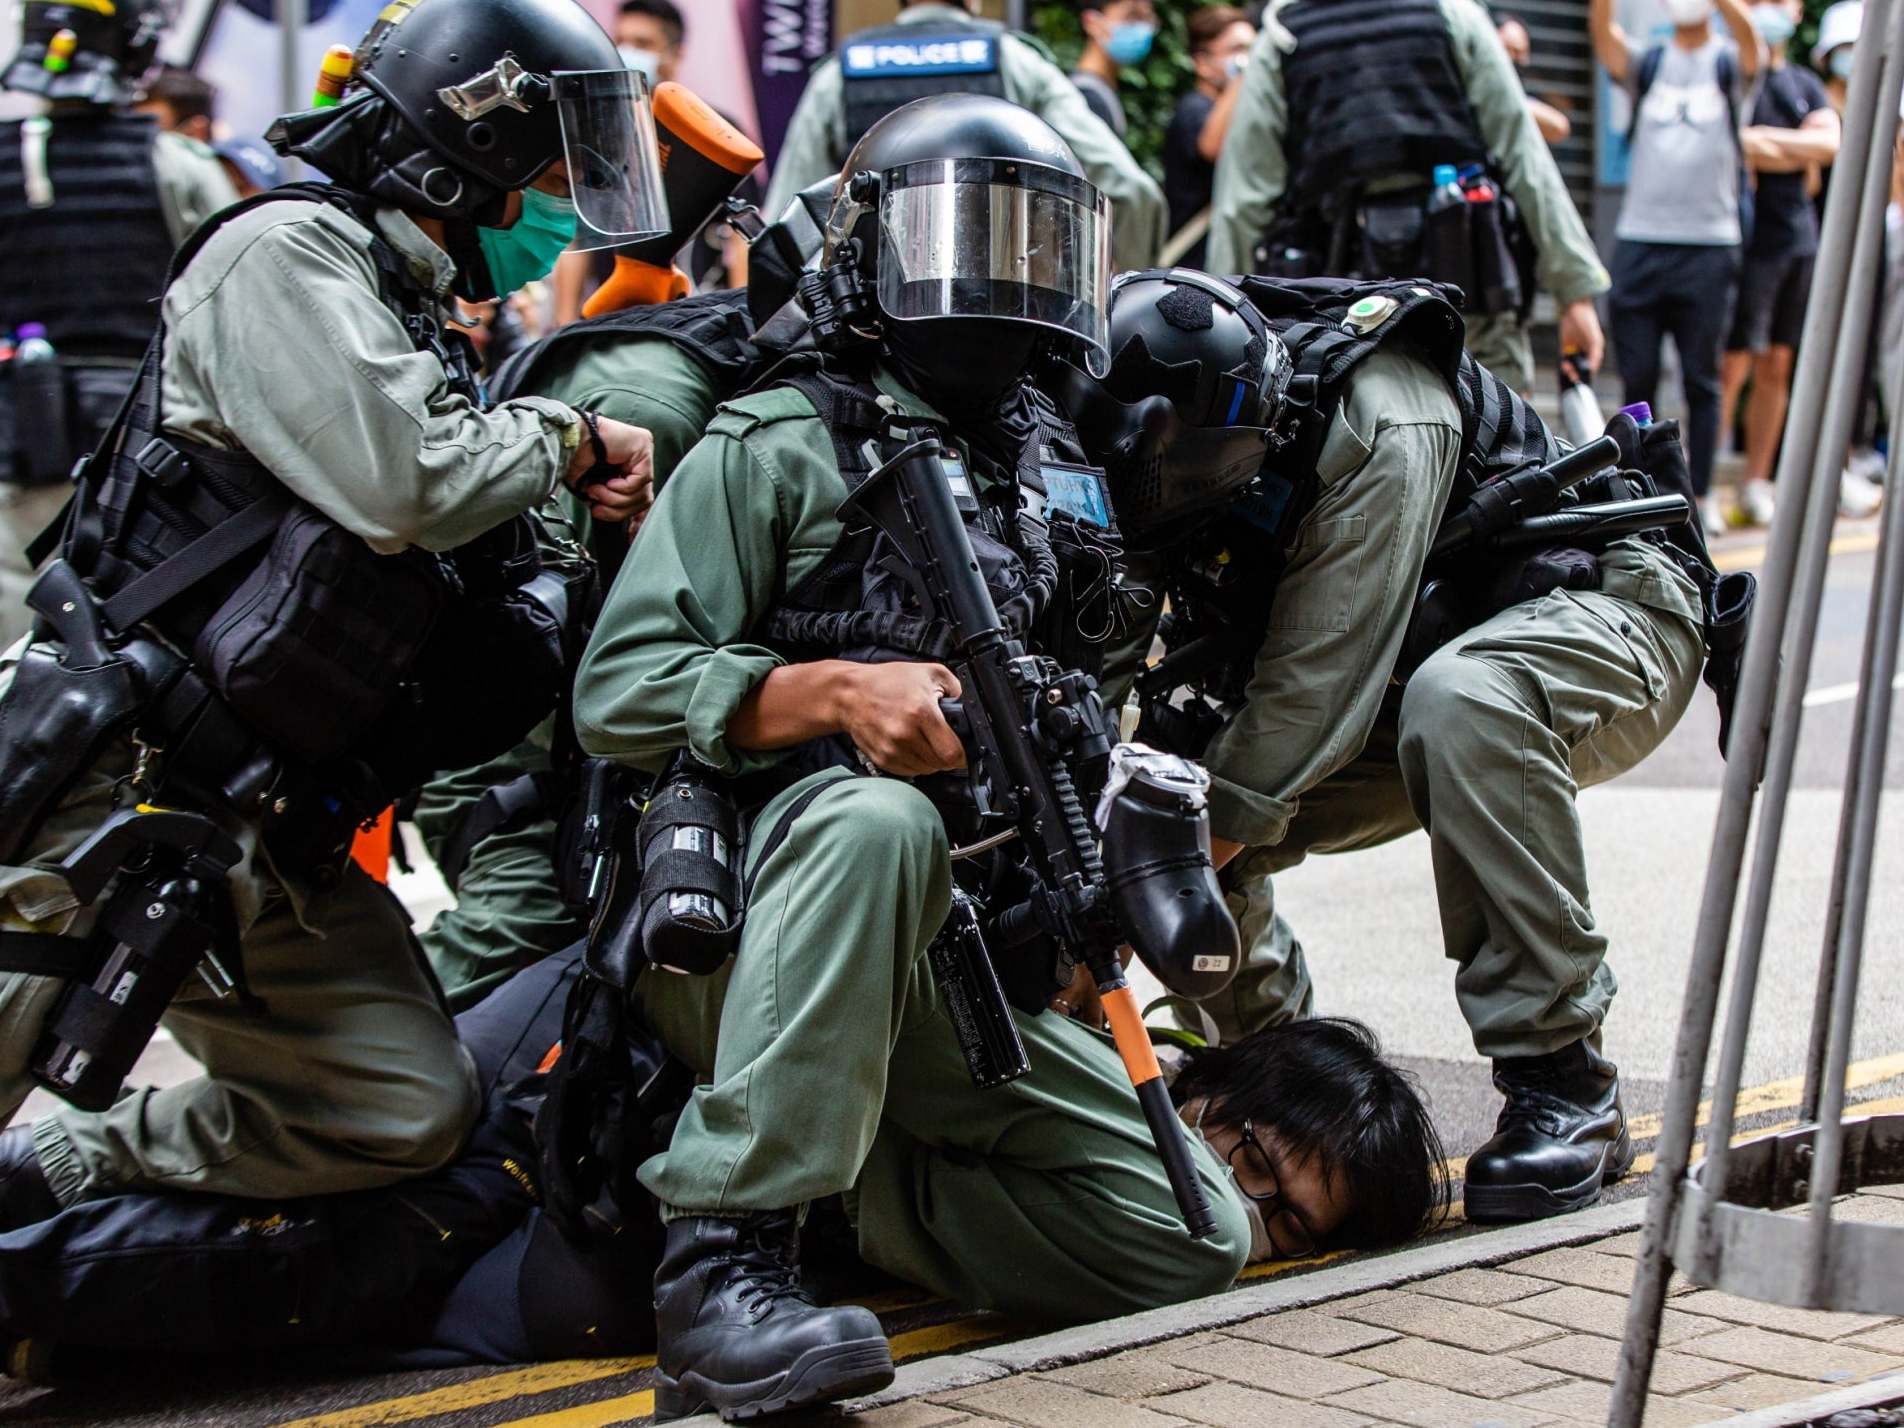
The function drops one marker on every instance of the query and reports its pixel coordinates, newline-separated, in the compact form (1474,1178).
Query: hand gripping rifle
(1029,729)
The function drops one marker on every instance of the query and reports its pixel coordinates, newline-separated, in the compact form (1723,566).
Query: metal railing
(1718,1223)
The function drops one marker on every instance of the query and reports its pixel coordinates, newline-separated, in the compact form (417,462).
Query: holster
(64,704)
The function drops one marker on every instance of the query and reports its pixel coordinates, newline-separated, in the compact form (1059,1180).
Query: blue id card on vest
(1078,491)
(926,55)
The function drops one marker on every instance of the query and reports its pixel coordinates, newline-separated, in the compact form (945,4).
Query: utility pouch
(1391,235)
(317,638)
(1497,279)
(690,879)
(37,427)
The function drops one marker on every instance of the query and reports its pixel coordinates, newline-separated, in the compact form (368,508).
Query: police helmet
(86,53)
(963,206)
(453,103)
(1188,410)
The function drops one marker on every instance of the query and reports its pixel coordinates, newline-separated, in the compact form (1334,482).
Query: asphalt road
(1370,928)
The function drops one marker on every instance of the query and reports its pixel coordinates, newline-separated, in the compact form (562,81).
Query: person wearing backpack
(1681,228)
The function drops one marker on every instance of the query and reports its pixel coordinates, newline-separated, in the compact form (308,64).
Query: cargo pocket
(1311,600)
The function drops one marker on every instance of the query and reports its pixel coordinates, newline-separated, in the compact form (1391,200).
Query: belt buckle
(163,462)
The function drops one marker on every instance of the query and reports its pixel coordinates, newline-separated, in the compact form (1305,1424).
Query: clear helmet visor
(613,161)
(997,238)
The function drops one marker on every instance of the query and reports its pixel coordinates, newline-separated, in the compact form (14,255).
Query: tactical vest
(92,265)
(296,623)
(715,329)
(1226,583)
(1373,92)
(890,65)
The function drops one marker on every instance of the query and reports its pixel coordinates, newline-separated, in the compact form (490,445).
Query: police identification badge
(1078,491)
(925,55)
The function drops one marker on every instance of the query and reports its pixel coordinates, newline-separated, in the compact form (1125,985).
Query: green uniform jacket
(747,515)
(193,184)
(1253,169)
(815,145)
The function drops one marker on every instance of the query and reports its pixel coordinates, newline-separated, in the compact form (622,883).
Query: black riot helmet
(973,227)
(453,103)
(1188,411)
(72,51)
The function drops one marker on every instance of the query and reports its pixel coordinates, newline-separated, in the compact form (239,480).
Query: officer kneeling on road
(1284,456)
(288,588)
(777,621)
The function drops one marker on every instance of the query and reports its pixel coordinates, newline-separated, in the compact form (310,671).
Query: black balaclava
(964,366)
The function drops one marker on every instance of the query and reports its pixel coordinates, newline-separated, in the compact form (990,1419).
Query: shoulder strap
(1650,60)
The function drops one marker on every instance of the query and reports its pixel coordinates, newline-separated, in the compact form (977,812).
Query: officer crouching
(289,585)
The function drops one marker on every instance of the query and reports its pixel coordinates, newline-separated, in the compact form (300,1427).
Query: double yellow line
(539,1379)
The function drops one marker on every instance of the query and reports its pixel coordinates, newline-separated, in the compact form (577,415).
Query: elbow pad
(1155,818)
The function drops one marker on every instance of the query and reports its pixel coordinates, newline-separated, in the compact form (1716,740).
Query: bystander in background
(1220,38)
(1555,127)
(182,102)
(1680,230)
(1793,135)
(1116,33)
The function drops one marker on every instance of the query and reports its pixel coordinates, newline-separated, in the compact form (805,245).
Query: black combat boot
(25,1197)
(738,1333)
(1560,1137)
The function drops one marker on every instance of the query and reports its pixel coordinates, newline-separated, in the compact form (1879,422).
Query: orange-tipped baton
(703,160)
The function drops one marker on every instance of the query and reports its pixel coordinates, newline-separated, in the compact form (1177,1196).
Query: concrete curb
(1174,1321)
(1863,1395)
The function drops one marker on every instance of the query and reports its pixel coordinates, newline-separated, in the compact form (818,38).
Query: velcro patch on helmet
(1188,309)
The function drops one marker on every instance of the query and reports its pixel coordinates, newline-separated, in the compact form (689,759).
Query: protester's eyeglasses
(1294,1238)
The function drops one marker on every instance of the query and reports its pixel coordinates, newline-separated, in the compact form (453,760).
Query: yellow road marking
(476,1393)
(1749,557)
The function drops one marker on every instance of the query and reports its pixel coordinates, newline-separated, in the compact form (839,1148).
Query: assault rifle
(1033,732)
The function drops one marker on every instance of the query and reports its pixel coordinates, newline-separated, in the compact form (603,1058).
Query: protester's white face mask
(645,62)
(1689,12)
(1262,1247)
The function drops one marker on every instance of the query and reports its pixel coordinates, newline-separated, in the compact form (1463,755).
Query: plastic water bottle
(39,388)
(1449,249)
(1580,417)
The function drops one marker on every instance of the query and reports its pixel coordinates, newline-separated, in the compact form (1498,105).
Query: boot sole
(1502,1204)
(820,1375)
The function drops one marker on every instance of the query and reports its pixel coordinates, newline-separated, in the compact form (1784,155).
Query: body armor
(1221,589)
(715,329)
(890,65)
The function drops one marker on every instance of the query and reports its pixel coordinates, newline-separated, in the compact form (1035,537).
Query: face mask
(1236,65)
(1686,13)
(645,62)
(1774,24)
(1130,42)
(1262,1247)
(1841,61)
(526,252)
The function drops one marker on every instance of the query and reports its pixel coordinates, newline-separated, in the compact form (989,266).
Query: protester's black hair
(1323,1087)
(666,11)
(189,96)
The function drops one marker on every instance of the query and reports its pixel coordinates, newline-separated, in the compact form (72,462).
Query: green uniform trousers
(352,1078)
(509,912)
(1500,343)
(25,511)
(1486,748)
(831,1066)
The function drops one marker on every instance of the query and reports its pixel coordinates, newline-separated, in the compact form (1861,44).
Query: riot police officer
(93,198)
(1347,109)
(1284,455)
(765,631)
(291,584)
(941,47)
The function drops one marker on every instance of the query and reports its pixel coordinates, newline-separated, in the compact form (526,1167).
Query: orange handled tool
(703,160)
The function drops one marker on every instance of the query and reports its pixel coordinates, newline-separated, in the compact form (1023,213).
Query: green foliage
(1150,91)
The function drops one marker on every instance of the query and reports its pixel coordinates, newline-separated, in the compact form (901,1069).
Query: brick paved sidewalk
(1531,1341)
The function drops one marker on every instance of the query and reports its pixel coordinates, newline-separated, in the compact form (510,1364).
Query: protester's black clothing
(1685,289)
(1189,178)
(1785,224)
(459,1266)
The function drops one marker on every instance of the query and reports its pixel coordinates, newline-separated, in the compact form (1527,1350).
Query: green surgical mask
(525,252)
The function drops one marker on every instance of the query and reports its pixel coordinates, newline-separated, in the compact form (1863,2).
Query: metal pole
(1820,514)
(1757,681)
(294,84)
(1865,785)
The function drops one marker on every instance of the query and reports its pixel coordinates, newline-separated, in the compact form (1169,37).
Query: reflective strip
(39,179)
